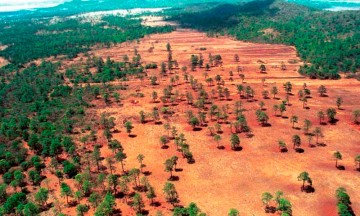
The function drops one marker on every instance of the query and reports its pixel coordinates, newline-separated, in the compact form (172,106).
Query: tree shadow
(239,148)
(156,204)
(119,195)
(197,129)
(164,147)
(158,123)
(270,209)
(221,147)
(285,117)
(147,173)
(266,125)
(297,128)
(299,150)
(117,212)
(174,178)
(179,169)
(132,135)
(340,167)
(321,144)
(284,150)
(333,121)
(323,123)
(309,189)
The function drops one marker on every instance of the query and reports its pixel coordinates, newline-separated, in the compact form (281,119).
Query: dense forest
(328,42)
(28,40)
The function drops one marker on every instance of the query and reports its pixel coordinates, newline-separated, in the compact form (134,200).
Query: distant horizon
(6,6)
(19,5)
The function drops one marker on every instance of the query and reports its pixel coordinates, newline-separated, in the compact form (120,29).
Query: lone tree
(288,87)
(171,194)
(322,90)
(169,167)
(331,113)
(262,68)
(274,91)
(217,138)
(138,203)
(293,120)
(337,155)
(357,162)
(318,133)
(339,102)
(235,141)
(66,191)
(282,146)
(304,177)
(233,212)
(266,198)
(140,158)
(321,116)
(356,116)
(194,122)
(307,126)
(296,141)
(128,125)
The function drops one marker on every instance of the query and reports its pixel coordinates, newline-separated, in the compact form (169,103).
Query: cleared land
(224,179)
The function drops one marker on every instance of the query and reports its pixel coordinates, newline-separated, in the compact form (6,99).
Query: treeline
(326,41)
(28,40)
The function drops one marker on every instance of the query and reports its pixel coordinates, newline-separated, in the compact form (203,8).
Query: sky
(14,5)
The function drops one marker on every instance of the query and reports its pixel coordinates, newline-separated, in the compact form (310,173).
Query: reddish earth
(224,179)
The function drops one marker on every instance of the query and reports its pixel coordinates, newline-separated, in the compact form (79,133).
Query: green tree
(322,90)
(150,194)
(318,133)
(321,116)
(331,113)
(307,126)
(138,203)
(296,141)
(339,102)
(66,191)
(140,159)
(356,116)
(338,156)
(304,177)
(262,68)
(357,161)
(217,139)
(293,120)
(94,199)
(30,209)
(42,197)
(194,121)
(235,141)
(233,212)
(121,156)
(128,125)
(81,209)
(171,194)
(274,91)
(106,207)
(266,198)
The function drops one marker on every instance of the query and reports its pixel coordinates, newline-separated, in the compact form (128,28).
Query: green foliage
(106,207)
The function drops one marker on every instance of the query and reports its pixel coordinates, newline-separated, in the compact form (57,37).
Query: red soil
(224,179)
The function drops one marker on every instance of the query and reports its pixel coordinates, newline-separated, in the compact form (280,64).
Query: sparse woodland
(67,127)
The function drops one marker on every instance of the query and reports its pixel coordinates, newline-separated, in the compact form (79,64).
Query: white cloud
(14,5)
